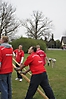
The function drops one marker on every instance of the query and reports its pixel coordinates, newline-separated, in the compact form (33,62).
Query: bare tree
(37,27)
(8,22)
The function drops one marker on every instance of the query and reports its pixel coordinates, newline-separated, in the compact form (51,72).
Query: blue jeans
(5,86)
(42,80)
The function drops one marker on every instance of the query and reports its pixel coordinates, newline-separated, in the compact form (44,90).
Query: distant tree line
(53,43)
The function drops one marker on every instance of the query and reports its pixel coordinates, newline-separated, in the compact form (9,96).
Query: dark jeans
(18,75)
(5,86)
(42,80)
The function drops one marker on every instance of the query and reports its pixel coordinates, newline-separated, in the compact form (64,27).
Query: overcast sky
(55,10)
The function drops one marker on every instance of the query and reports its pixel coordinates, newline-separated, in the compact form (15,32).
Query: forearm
(22,60)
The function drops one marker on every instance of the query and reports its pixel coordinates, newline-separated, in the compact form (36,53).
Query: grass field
(56,75)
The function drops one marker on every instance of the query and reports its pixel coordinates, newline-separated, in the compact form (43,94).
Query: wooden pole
(19,65)
(27,79)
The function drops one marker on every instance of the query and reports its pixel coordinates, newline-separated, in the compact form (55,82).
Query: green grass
(56,75)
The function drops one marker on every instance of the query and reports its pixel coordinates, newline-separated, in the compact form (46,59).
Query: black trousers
(18,75)
(42,80)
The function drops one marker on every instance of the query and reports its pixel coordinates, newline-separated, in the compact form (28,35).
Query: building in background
(63,42)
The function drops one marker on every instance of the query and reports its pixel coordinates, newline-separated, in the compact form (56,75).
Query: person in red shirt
(39,75)
(42,54)
(6,68)
(19,55)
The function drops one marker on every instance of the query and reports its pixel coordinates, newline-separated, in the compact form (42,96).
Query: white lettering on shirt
(8,54)
(34,55)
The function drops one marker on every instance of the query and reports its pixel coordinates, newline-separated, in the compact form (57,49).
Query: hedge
(27,42)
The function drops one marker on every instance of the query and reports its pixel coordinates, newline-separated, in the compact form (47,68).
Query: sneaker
(16,78)
(20,80)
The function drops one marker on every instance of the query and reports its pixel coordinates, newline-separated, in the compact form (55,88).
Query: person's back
(6,58)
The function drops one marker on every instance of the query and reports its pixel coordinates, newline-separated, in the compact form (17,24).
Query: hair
(34,48)
(37,46)
(5,38)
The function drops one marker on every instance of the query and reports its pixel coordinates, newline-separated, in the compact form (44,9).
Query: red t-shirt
(19,54)
(42,55)
(6,60)
(35,63)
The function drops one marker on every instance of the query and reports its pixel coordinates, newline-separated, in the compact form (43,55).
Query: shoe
(16,78)
(20,80)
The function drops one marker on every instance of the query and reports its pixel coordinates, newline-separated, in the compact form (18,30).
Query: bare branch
(8,23)
(37,26)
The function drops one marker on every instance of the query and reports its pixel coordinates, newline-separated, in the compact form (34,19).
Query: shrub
(27,42)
